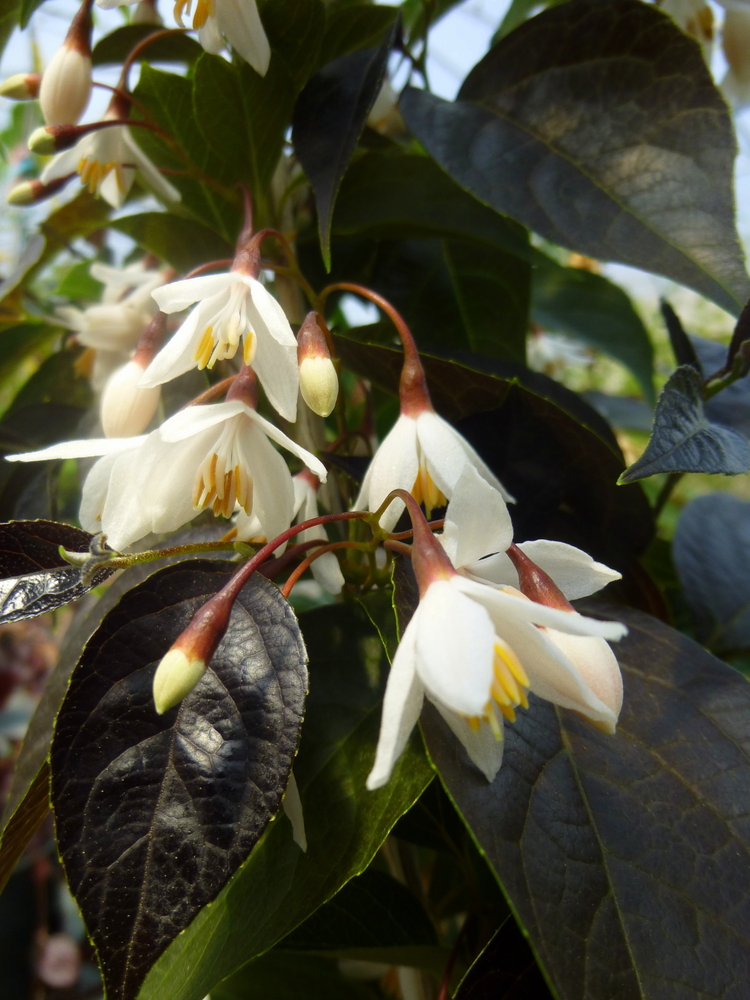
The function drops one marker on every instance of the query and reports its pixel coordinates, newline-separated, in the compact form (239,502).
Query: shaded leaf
(682,347)
(599,127)
(79,285)
(56,380)
(328,119)
(354,26)
(731,406)
(711,552)
(25,9)
(626,858)
(591,309)
(289,977)
(8,15)
(23,823)
(684,440)
(185,796)
(621,411)
(113,49)
(34,577)
(373,911)
(295,31)
(18,342)
(279,886)
(180,242)
(554,453)
(505,970)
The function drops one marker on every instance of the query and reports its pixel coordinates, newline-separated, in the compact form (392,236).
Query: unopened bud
(146,13)
(535,584)
(175,678)
(31,192)
(21,86)
(318,381)
(127,410)
(43,140)
(66,86)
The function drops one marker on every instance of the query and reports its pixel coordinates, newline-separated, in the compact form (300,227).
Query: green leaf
(25,9)
(329,118)
(279,886)
(282,976)
(711,552)
(599,127)
(355,26)
(393,196)
(113,49)
(684,440)
(9,10)
(518,12)
(168,99)
(295,31)
(595,311)
(552,451)
(18,342)
(79,285)
(626,858)
(181,242)
(185,796)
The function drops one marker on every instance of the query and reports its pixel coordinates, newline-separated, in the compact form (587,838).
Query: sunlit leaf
(684,440)
(626,857)
(599,127)
(154,814)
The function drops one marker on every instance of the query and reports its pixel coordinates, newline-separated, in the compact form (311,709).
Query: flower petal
(265,312)
(88,448)
(394,466)
(194,419)
(402,704)
(273,490)
(482,746)
(178,354)
(178,295)
(276,367)
(596,663)
(154,179)
(574,571)
(327,571)
(477,521)
(240,22)
(94,495)
(455,648)
(313,463)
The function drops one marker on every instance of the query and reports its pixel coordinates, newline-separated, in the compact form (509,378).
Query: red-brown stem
(151,340)
(144,43)
(69,135)
(534,583)
(213,392)
(306,563)
(244,387)
(413,391)
(79,32)
(393,546)
(433,525)
(210,266)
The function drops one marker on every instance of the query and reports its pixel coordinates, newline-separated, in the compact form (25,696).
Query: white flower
(475,648)
(66,86)
(202,457)
(108,161)
(236,20)
(425,456)
(126,409)
(325,569)
(133,283)
(231,307)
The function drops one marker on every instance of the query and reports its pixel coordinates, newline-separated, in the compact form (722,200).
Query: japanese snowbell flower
(421,454)
(236,20)
(232,307)
(203,457)
(325,569)
(475,650)
(107,160)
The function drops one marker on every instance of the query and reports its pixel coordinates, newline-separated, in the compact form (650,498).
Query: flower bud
(21,86)
(146,13)
(31,192)
(126,410)
(318,381)
(66,86)
(535,584)
(175,678)
(43,141)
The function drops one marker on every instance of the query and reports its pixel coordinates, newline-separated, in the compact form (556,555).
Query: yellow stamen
(425,491)
(205,347)
(249,347)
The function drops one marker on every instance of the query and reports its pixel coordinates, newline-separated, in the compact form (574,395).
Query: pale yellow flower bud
(175,678)
(42,142)
(319,384)
(21,87)
(66,86)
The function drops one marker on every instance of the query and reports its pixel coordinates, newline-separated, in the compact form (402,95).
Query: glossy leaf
(591,309)
(731,406)
(328,120)
(505,970)
(354,26)
(682,346)
(599,127)
(279,886)
(23,822)
(34,577)
(114,48)
(154,814)
(295,31)
(684,440)
(626,857)
(554,453)
(711,552)
(181,242)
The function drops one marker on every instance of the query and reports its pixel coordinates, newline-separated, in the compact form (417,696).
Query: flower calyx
(535,584)
(428,558)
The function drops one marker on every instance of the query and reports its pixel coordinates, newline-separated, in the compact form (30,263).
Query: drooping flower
(325,569)
(232,307)
(476,649)
(204,457)
(237,21)
(107,161)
